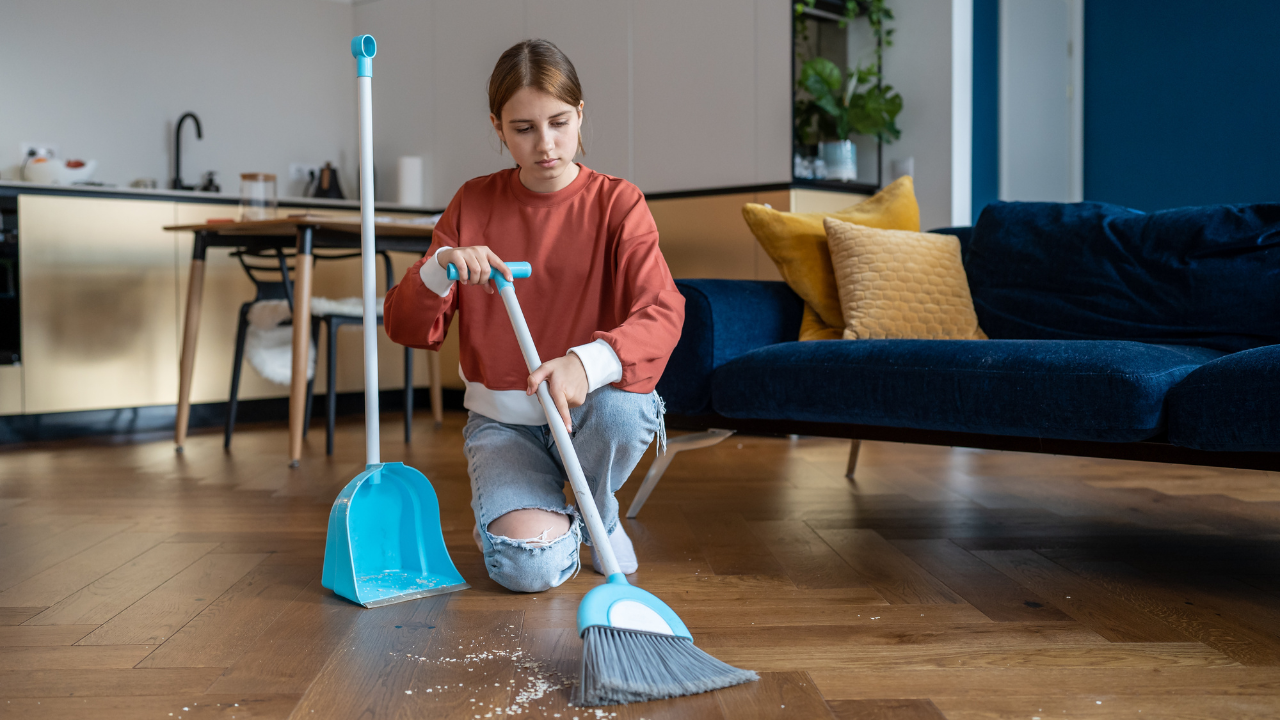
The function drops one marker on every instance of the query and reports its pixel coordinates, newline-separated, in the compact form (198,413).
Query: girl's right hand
(475,264)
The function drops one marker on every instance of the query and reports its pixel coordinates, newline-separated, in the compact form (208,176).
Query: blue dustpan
(385,544)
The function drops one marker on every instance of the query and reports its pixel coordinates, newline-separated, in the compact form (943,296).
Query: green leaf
(816,86)
(829,104)
(826,70)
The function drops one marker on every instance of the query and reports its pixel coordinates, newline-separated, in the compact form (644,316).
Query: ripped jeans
(514,467)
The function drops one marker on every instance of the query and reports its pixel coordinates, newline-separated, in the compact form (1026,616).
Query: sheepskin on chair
(349,306)
(268,345)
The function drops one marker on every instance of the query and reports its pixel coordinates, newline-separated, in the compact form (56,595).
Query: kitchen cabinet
(595,35)
(694,94)
(807,200)
(10,389)
(99,303)
(706,237)
(104,289)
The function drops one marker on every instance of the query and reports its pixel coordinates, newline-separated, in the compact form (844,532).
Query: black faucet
(177,184)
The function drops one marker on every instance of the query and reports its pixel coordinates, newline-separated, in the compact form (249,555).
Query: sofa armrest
(722,320)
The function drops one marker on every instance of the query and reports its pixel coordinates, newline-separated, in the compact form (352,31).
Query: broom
(634,647)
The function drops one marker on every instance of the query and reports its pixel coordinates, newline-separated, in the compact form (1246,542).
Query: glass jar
(257,196)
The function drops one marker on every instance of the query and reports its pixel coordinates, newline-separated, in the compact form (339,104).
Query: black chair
(269,270)
(333,322)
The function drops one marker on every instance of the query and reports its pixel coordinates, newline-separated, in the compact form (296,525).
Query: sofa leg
(660,463)
(854,447)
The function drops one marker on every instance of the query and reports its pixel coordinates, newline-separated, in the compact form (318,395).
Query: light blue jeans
(516,467)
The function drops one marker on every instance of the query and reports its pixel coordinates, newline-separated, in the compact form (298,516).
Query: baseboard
(130,424)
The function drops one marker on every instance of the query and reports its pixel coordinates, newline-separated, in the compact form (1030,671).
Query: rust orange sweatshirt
(600,288)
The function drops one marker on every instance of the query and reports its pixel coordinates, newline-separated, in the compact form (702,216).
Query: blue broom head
(635,648)
(385,544)
(619,604)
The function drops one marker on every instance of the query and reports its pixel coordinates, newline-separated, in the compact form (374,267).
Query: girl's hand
(475,264)
(566,380)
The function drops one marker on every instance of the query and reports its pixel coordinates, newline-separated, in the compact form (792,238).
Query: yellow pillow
(898,284)
(812,327)
(797,244)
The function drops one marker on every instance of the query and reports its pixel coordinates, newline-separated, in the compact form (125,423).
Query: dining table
(305,232)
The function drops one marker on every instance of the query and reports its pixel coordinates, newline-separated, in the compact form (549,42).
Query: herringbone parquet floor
(136,583)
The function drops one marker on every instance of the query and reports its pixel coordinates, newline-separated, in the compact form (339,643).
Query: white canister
(841,159)
(410,169)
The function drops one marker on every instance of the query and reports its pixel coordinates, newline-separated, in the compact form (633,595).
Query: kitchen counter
(9,188)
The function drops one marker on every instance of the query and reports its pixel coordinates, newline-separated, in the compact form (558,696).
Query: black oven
(10,317)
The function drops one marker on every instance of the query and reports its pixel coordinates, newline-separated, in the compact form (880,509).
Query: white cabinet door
(694,94)
(466,40)
(593,33)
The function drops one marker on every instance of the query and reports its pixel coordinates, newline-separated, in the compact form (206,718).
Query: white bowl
(56,172)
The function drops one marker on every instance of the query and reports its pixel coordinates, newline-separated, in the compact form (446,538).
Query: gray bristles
(623,666)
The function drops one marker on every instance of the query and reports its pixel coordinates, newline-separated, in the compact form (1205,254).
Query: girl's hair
(536,64)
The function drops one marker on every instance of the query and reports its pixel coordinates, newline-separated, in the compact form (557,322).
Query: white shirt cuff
(601,363)
(435,277)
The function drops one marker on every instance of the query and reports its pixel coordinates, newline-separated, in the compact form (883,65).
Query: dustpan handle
(568,456)
(364,48)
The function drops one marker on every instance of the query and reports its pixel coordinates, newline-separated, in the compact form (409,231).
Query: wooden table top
(346,222)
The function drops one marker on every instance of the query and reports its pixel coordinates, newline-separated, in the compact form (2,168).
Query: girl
(601,302)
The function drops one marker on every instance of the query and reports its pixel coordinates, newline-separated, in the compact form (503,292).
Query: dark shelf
(859,188)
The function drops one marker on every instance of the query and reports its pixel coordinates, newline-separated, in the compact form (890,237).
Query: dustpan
(384,544)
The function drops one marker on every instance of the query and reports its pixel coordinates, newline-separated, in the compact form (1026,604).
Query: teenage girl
(601,303)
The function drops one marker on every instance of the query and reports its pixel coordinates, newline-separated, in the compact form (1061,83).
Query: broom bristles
(624,666)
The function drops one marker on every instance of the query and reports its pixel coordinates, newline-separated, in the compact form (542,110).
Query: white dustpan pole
(369,273)
(568,456)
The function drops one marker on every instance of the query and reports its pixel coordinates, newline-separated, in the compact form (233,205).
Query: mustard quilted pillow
(797,244)
(898,284)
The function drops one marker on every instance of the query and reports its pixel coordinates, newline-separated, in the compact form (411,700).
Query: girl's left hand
(567,382)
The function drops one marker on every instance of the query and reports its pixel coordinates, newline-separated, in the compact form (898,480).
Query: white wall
(270,79)
(930,63)
(680,94)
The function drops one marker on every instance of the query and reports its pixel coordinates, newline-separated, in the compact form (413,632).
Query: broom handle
(369,273)
(568,456)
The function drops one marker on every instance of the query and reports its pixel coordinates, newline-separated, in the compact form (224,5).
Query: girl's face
(542,134)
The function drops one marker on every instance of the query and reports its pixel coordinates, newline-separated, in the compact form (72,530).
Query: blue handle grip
(363,47)
(518,270)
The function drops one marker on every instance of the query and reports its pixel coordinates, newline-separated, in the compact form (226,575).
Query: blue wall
(1181,102)
(986,104)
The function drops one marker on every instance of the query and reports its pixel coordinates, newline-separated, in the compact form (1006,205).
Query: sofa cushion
(1232,403)
(722,320)
(1109,391)
(1206,276)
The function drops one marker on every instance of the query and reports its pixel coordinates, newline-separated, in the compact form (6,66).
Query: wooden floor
(136,583)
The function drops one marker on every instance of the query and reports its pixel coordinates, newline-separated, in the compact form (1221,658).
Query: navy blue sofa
(1114,333)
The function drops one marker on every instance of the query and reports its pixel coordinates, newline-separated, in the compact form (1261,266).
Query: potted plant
(833,104)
